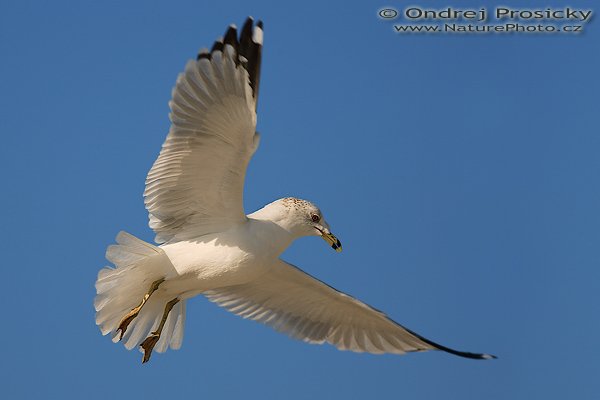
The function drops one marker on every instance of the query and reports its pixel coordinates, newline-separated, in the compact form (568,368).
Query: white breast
(223,259)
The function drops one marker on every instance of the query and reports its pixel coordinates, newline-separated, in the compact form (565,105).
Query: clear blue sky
(460,173)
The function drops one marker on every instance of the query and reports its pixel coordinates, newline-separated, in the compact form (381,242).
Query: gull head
(302,218)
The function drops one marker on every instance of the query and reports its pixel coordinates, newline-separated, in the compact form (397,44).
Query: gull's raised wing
(196,184)
(293,302)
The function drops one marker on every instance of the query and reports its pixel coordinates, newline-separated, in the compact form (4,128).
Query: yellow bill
(332,240)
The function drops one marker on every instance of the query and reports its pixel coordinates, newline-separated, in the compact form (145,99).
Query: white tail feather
(120,289)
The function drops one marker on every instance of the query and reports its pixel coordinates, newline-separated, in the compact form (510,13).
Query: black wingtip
(473,356)
(203,54)
(248,49)
(217,46)
(246,31)
(251,51)
(231,37)
(465,354)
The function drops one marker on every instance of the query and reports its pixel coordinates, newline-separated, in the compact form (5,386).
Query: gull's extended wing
(196,184)
(293,302)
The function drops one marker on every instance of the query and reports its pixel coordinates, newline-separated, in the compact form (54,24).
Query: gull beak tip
(337,246)
(333,241)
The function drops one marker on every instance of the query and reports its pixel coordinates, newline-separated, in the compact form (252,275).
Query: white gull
(209,246)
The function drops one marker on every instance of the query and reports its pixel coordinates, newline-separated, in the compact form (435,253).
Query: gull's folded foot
(127,320)
(148,344)
(130,316)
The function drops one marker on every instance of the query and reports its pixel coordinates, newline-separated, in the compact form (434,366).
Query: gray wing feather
(293,302)
(196,184)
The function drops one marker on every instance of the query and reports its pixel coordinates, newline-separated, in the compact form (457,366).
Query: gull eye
(315,218)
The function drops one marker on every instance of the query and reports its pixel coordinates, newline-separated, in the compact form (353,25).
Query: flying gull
(209,246)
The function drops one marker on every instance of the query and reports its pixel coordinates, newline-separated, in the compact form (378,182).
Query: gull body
(242,253)
(208,246)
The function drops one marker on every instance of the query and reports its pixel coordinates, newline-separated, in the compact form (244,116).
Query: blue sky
(461,176)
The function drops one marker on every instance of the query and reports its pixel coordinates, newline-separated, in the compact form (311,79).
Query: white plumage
(119,290)
(196,184)
(209,246)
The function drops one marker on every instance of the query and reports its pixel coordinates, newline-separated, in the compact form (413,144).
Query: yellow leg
(149,343)
(136,310)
